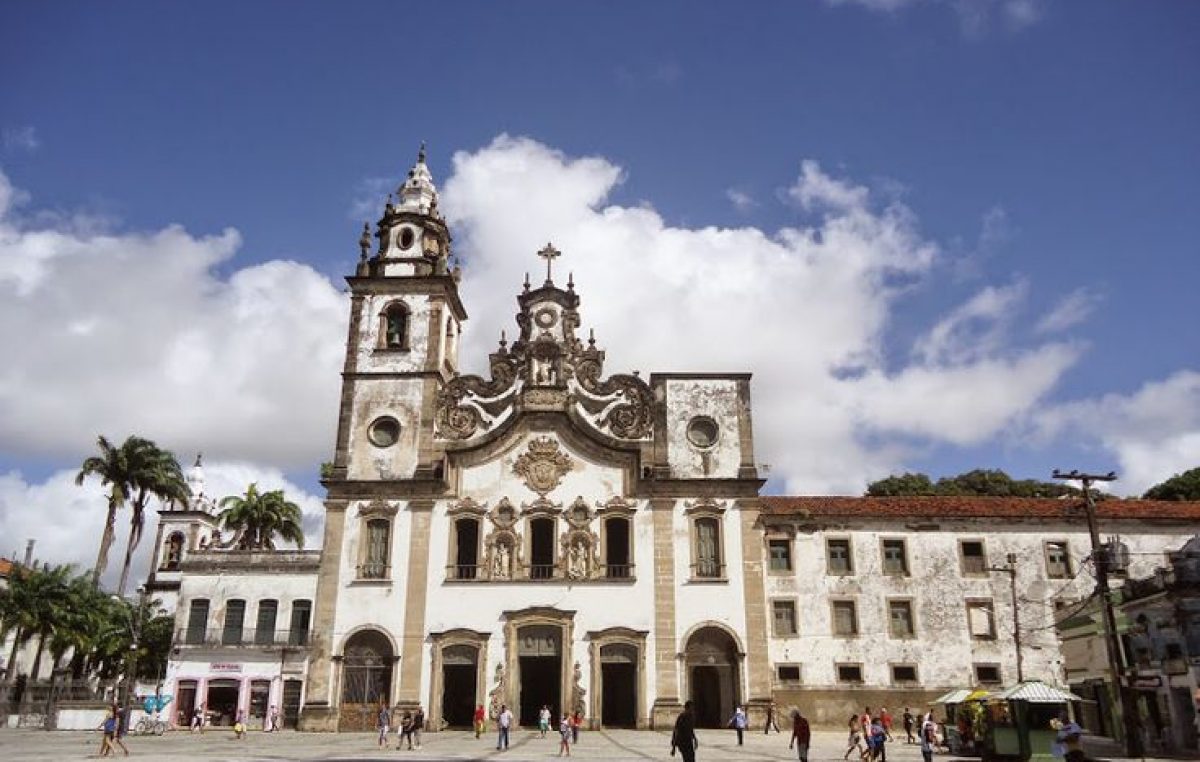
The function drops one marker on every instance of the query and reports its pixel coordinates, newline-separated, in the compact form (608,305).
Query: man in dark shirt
(684,737)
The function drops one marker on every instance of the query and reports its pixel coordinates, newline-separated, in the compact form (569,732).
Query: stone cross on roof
(549,253)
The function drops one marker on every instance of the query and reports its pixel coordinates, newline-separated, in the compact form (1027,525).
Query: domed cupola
(413,237)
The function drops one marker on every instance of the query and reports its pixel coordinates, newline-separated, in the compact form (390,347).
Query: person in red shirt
(801,735)
(480,716)
(886,717)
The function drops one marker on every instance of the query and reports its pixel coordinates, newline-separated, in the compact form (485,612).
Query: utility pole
(1124,708)
(1011,571)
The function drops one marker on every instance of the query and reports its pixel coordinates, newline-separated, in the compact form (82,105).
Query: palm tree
(138,469)
(36,602)
(161,477)
(260,517)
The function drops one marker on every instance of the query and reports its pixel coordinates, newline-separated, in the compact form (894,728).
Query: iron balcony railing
(242,637)
(468,572)
(372,570)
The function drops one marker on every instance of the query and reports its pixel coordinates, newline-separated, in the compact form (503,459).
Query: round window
(384,431)
(406,238)
(702,431)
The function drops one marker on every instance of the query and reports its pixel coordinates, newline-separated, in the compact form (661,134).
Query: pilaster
(318,712)
(414,596)
(666,664)
(757,663)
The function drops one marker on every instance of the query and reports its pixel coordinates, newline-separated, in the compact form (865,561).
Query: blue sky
(1050,149)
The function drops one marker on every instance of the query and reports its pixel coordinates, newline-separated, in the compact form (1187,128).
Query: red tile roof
(978,507)
(5,567)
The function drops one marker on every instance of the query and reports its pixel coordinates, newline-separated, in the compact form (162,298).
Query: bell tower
(405,321)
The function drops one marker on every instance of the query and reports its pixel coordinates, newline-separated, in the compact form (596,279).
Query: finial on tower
(527,281)
(364,242)
(591,337)
(503,340)
(571,281)
(549,253)
(421,153)
(199,457)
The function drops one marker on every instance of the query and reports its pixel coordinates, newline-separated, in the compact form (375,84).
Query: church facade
(553,534)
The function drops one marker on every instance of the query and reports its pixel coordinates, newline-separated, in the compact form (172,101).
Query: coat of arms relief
(543,466)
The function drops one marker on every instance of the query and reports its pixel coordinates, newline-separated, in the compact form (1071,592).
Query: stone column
(319,711)
(757,661)
(414,598)
(666,665)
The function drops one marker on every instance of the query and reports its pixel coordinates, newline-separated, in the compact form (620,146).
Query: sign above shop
(218,666)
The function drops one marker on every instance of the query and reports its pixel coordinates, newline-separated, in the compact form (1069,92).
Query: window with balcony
(197,622)
(617,557)
(264,630)
(466,548)
(235,621)
(839,560)
(541,548)
(845,619)
(973,557)
(895,557)
(300,623)
(375,560)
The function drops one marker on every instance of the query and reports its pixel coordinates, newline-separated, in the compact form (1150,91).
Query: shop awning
(956,696)
(1036,692)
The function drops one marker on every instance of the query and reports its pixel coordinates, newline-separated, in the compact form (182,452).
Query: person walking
(239,725)
(273,719)
(909,722)
(198,719)
(1067,743)
(112,735)
(886,717)
(418,725)
(480,719)
(383,723)
(576,724)
(564,733)
(503,723)
(771,721)
(878,742)
(738,722)
(928,738)
(683,737)
(801,735)
(854,740)
(406,730)
(544,720)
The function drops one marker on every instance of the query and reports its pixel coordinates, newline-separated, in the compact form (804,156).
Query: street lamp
(1011,571)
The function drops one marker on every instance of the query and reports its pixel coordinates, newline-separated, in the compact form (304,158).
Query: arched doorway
(619,685)
(539,658)
(367,665)
(712,659)
(460,674)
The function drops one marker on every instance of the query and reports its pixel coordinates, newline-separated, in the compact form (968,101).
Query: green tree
(1185,486)
(36,603)
(134,473)
(260,517)
(979,482)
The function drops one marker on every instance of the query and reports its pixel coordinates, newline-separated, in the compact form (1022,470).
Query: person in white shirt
(503,722)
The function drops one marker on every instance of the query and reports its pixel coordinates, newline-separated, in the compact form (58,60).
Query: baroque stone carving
(547,367)
(543,467)
(578,693)
(496,698)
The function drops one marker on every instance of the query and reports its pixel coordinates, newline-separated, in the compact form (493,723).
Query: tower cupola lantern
(413,238)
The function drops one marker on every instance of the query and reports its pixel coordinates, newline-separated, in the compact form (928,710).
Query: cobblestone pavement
(614,745)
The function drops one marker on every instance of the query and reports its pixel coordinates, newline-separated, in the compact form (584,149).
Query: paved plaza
(614,745)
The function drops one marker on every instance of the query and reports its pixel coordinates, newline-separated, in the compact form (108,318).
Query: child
(239,725)
(564,732)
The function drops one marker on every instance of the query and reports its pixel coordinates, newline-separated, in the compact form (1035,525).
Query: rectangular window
(904,673)
(1058,560)
(839,561)
(784,614)
(780,552)
(264,631)
(301,621)
(981,619)
(787,674)
(197,622)
(845,619)
(987,674)
(617,558)
(974,557)
(375,564)
(235,620)
(895,558)
(849,673)
(708,548)
(900,619)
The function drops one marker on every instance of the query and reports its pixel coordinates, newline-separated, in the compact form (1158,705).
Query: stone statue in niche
(577,691)
(502,562)
(496,697)
(577,559)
